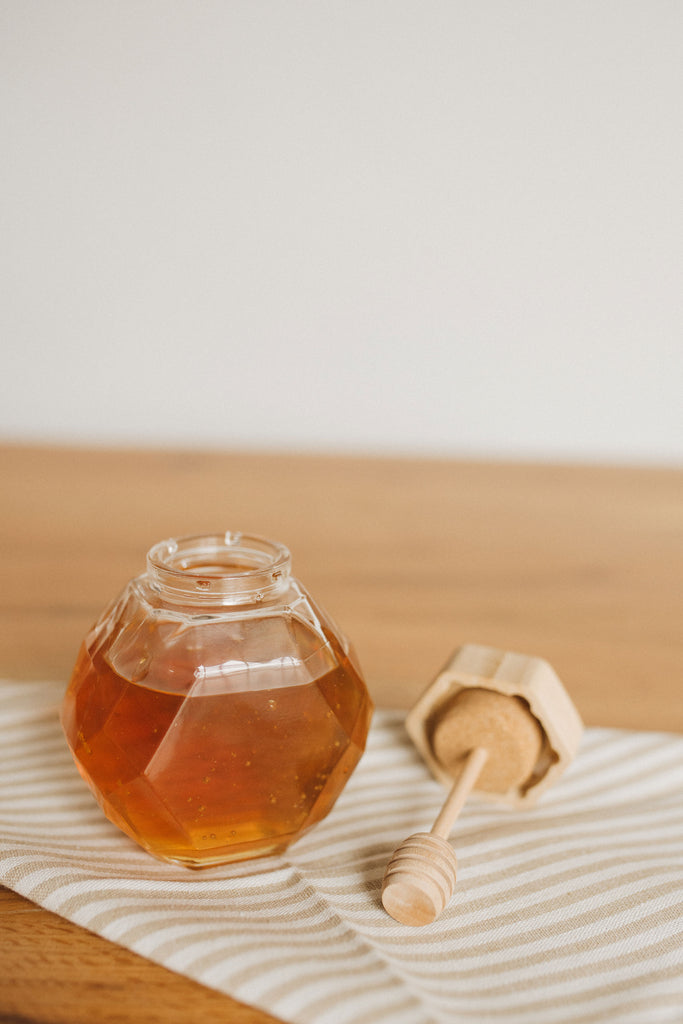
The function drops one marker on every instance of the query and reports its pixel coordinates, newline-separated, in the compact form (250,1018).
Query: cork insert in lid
(478,717)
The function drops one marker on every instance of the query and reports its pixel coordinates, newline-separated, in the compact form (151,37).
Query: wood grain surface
(580,565)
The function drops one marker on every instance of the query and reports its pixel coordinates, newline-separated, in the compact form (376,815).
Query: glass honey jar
(214,710)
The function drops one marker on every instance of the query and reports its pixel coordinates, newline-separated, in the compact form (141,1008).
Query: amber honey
(216,776)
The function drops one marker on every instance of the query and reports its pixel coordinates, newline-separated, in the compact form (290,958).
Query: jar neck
(218,569)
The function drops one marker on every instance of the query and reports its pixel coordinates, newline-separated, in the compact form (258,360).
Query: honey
(213,736)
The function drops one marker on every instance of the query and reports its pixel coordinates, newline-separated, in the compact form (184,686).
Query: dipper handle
(461,789)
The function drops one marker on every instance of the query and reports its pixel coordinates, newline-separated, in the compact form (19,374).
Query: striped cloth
(568,912)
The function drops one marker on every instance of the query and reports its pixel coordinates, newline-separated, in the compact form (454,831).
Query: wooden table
(580,565)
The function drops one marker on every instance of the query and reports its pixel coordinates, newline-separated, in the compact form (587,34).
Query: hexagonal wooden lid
(532,680)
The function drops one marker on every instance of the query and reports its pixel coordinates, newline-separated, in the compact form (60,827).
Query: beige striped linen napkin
(570,911)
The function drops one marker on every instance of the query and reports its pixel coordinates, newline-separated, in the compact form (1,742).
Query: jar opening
(226,568)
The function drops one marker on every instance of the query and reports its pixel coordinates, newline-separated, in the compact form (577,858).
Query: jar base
(197,863)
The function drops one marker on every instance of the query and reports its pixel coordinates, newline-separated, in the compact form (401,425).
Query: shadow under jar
(215,711)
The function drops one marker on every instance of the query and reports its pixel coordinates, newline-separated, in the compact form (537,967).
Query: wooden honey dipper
(495,721)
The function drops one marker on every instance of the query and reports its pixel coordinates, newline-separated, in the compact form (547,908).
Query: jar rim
(225,568)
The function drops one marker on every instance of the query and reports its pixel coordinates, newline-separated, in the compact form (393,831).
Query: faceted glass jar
(215,711)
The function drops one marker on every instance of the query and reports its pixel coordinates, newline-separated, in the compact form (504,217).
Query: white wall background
(365,225)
